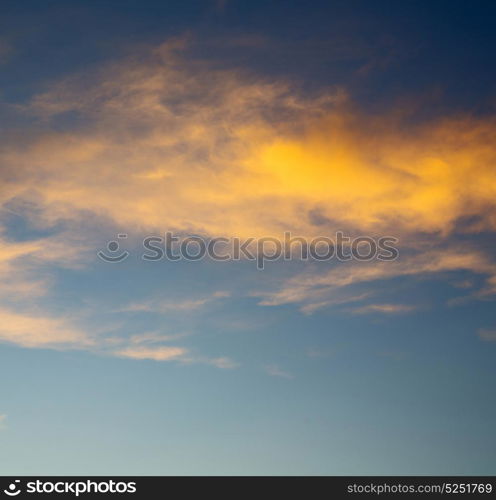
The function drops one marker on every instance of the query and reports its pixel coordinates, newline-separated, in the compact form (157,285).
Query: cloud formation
(161,141)
(314,290)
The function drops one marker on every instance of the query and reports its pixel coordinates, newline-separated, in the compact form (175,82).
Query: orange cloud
(166,143)
(172,144)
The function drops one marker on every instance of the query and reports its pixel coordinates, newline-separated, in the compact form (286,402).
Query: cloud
(167,353)
(314,290)
(383,309)
(161,353)
(25,274)
(35,330)
(316,300)
(155,337)
(27,329)
(223,362)
(487,334)
(18,279)
(166,306)
(275,371)
(23,322)
(160,141)
(3,419)
(25,265)
(313,352)
(172,143)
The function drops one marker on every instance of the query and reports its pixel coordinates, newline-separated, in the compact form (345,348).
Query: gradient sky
(235,118)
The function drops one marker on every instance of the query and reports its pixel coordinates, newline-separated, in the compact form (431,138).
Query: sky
(122,120)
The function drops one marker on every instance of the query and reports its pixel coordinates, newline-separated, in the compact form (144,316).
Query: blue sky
(247,119)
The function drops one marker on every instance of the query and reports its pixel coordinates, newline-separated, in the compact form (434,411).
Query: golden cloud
(161,142)
(166,143)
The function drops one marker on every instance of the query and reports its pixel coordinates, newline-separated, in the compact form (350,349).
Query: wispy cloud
(156,337)
(35,330)
(168,353)
(224,363)
(314,291)
(321,299)
(489,335)
(275,371)
(383,309)
(161,353)
(157,305)
(313,352)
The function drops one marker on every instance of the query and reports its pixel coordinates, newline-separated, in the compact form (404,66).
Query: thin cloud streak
(309,289)
(488,335)
(383,309)
(154,353)
(275,371)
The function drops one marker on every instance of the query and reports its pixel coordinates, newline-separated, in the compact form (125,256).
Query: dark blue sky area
(442,52)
